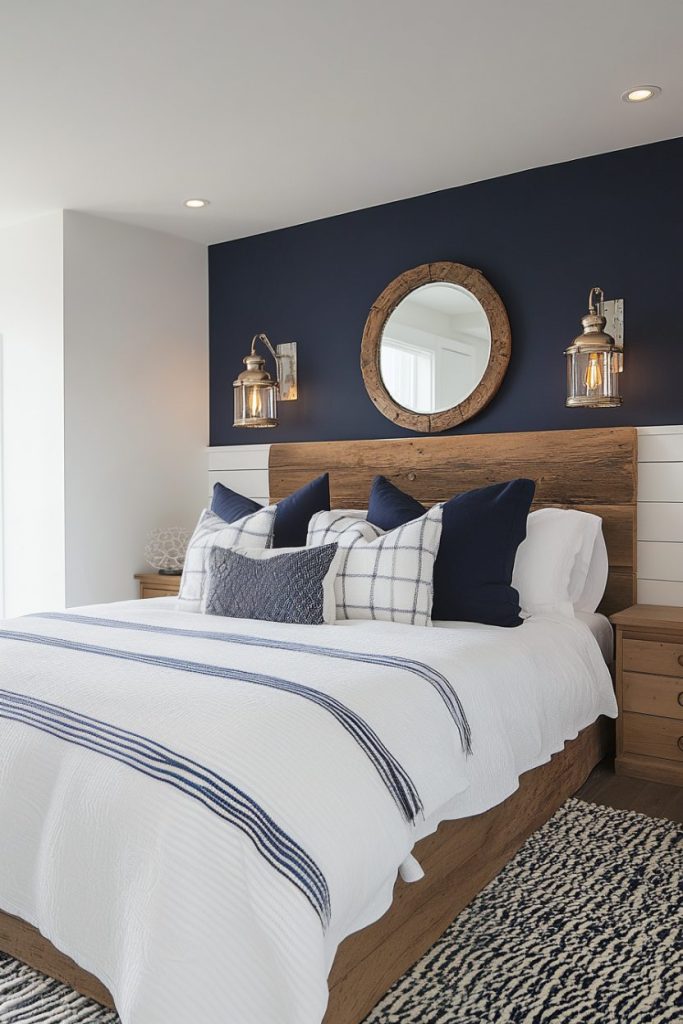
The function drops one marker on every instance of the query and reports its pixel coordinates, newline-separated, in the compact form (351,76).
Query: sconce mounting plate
(286,363)
(613,312)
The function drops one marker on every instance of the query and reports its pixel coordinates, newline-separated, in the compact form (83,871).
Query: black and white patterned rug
(584,926)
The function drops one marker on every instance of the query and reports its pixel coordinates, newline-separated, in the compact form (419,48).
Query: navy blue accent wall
(542,237)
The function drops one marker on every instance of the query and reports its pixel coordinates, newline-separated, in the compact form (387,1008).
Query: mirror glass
(435,347)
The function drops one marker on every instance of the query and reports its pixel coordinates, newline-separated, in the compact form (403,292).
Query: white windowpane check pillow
(381,575)
(252,531)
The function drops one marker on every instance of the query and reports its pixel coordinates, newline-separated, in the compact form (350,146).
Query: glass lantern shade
(255,394)
(592,377)
(255,404)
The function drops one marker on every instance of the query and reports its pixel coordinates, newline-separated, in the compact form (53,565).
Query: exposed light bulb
(593,373)
(254,402)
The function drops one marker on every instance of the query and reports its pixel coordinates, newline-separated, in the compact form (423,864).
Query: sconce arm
(263,338)
(285,363)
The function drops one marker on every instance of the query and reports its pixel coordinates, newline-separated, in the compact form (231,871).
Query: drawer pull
(680,742)
(680,659)
(680,699)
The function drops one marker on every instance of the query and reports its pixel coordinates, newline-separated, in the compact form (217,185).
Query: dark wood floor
(653,798)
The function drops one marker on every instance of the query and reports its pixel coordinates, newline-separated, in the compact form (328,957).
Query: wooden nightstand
(152,584)
(650,692)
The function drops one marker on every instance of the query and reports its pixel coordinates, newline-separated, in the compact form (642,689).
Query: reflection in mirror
(435,347)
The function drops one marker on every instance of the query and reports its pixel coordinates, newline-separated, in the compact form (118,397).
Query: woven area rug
(584,926)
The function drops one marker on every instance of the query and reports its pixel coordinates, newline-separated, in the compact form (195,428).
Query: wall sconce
(595,359)
(255,391)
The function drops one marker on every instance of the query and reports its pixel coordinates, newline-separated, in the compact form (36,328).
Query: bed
(592,470)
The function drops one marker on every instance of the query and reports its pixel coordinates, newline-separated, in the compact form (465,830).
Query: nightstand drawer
(653,695)
(653,737)
(146,592)
(653,657)
(154,584)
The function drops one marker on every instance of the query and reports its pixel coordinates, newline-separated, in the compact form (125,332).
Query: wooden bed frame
(593,470)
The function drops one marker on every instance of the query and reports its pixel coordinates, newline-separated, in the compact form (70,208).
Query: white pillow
(596,579)
(329,599)
(254,531)
(552,564)
(385,576)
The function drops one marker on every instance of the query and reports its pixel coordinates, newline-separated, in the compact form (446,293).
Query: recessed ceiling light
(196,204)
(641,93)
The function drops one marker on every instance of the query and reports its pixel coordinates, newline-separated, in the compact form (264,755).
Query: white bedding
(172,906)
(598,624)
(601,628)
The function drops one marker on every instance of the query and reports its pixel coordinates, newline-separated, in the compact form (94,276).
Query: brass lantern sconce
(595,359)
(256,393)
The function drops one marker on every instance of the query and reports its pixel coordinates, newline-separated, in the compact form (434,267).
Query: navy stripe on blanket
(393,775)
(418,668)
(200,783)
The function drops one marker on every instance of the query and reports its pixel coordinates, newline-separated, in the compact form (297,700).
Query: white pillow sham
(329,599)
(386,576)
(596,579)
(552,565)
(253,531)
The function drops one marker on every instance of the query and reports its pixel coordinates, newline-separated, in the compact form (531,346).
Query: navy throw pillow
(390,507)
(481,531)
(230,505)
(292,514)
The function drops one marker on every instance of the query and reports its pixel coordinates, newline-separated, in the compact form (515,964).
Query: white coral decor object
(166,548)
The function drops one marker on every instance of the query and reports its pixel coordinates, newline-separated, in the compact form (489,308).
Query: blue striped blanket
(199,810)
(277,737)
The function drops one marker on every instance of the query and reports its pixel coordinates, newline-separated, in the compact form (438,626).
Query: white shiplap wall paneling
(660,515)
(660,592)
(660,521)
(243,468)
(661,481)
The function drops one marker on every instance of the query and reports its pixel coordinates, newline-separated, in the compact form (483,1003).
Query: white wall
(136,397)
(32,425)
(660,515)
(660,503)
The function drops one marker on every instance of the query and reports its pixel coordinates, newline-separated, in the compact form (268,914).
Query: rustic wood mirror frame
(499,357)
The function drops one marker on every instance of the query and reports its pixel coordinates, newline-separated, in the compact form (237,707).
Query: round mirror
(436,346)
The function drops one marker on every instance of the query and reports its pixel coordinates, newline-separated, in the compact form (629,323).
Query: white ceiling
(283,111)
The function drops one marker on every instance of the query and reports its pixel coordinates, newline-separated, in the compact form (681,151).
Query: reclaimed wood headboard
(592,470)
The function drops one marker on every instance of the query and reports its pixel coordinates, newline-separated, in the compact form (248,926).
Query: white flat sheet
(175,908)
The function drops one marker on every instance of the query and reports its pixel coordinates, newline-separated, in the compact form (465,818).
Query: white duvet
(201,838)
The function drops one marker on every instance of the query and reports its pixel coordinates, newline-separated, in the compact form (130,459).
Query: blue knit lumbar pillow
(295,586)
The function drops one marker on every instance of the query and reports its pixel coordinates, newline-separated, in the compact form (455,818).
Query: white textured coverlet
(189,901)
